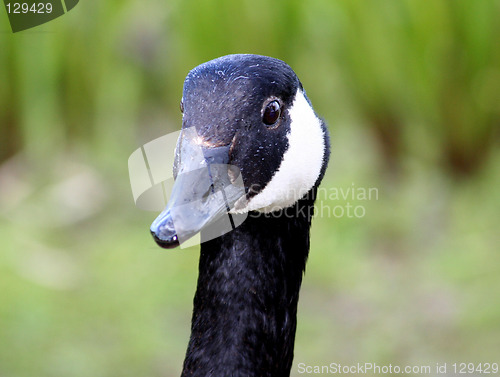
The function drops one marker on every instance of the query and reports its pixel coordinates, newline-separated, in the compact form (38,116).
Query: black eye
(272,113)
(182,106)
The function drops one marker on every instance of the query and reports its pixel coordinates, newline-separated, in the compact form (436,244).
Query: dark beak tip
(166,243)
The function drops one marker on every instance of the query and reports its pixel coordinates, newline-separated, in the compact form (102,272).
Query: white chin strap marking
(301,163)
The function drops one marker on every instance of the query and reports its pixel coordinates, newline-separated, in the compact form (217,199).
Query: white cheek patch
(301,163)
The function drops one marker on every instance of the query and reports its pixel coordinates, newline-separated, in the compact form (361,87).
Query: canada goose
(251,112)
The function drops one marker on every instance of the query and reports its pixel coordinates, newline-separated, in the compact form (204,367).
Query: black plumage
(245,307)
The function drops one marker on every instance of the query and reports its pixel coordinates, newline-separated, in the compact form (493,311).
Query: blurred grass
(411,96)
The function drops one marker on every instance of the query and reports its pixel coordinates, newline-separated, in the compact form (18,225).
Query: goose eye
(181,105)
(272,113)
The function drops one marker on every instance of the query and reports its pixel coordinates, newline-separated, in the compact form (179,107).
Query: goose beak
(163,231)
(204,191)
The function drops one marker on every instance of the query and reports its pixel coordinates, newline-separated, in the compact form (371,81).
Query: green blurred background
(411,93)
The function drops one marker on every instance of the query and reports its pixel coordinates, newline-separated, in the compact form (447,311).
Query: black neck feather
(245,307)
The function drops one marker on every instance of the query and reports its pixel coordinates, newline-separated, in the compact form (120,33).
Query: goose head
(249,133)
